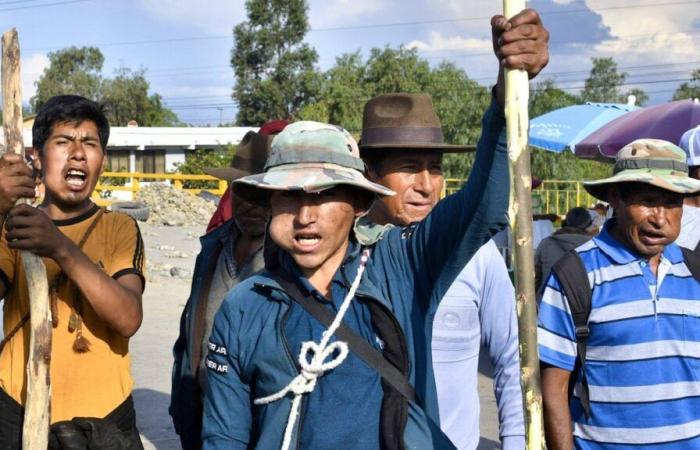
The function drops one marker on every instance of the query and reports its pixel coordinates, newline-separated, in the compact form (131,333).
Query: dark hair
(72,109)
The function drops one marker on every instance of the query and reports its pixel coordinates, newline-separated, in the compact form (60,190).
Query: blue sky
(184,46)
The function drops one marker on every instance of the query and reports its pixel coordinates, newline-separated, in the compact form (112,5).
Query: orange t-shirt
(90,384)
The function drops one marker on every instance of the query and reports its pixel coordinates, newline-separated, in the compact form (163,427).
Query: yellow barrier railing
(131,182)
(552,197)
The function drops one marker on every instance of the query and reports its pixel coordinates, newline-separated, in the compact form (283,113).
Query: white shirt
(690,228)
(478,311)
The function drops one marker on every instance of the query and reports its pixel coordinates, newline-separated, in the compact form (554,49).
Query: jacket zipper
(300,420)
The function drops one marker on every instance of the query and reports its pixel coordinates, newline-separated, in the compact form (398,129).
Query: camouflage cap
(313,156)
(650,161)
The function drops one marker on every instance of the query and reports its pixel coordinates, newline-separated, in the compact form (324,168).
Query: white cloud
(213,16)
(438,42)
(332,13)
(648,35)
(30,70)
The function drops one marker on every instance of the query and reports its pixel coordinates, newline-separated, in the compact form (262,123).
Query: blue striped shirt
(643,352)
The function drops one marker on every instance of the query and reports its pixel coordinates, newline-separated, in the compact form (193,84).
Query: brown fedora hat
(250,157)
(404,121)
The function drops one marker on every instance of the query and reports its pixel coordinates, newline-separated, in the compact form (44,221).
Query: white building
(158,149)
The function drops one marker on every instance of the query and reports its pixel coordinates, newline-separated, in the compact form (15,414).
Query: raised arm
(458,226)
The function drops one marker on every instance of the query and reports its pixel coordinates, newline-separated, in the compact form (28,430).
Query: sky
(185,46)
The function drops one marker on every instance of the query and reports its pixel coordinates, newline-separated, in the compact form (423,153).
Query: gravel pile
(174,207)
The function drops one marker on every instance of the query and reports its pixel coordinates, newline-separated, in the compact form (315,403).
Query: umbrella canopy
(563,128)
(668,122)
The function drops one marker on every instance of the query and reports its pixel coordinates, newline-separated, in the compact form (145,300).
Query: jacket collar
(345,274)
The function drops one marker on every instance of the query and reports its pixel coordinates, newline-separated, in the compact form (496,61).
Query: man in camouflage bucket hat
(644,327)
(277,376)
(315,188)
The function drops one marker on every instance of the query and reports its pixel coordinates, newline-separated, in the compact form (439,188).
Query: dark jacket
(409,271)
(186,394)
(552,249)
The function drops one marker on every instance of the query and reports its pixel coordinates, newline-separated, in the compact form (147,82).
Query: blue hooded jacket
(409,271)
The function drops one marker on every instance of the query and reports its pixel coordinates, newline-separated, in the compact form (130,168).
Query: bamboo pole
(520,214)
(35,432)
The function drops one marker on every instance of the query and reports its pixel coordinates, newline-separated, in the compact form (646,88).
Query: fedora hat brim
(445,148)
(226,173)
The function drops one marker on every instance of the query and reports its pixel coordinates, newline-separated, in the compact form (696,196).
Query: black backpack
(573,279)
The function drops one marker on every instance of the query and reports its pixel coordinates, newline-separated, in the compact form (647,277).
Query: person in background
(576,229)
(478,310)
(643,330)
(224,210)
(690,223)
(230,253)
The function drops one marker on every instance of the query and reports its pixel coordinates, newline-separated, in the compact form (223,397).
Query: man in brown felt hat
(230,253)
(403,145)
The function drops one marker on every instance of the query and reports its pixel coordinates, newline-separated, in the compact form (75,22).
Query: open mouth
(76,178)
(307,240)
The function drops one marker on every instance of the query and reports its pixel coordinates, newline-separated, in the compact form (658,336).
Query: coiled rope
(312,359)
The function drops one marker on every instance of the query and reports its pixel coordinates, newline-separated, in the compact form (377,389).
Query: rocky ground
(174,207)
(171,253)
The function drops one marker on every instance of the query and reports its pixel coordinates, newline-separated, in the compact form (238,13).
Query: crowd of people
(337,302)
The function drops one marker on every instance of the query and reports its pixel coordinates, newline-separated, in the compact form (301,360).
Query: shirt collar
(619,253)
(343,276)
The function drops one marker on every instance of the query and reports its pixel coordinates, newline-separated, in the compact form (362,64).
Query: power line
(362,27)
(17,8)
(468,19)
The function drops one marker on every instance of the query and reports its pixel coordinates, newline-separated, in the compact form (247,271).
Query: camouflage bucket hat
(650,161)
(312,157)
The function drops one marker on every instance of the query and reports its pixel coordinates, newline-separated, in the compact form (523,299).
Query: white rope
(305,382)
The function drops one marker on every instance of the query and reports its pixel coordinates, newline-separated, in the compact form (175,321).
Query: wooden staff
(520,214)
(35,433)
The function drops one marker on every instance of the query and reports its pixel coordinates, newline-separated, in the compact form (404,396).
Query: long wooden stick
(520,213)
(35,433)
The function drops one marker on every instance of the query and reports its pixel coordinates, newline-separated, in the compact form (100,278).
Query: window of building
(150,161)
(118,161)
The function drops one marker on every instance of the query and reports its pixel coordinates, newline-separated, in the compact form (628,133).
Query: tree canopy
(273,67)
(78,70)
(689,89)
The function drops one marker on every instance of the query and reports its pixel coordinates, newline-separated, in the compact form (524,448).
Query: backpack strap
(692,261)
(358,345)
(573,279)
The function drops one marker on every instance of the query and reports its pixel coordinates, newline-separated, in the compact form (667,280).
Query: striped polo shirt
(643,352)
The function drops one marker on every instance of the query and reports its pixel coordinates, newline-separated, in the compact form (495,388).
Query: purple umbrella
(668,122)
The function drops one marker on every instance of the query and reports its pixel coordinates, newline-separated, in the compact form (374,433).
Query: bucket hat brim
(673,181)
(445,148)
(311,178)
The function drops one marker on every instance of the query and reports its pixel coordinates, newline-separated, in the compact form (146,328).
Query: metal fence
(552,197)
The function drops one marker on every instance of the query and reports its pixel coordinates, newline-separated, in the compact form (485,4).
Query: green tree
(126,98)
(273,67)
(72,70)
(689,89)
(605,82)
(79,71)
(546,96)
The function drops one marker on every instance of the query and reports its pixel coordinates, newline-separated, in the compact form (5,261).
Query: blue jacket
(186,394)
(409,271)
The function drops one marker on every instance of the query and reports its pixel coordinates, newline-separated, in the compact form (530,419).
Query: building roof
(187,137)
